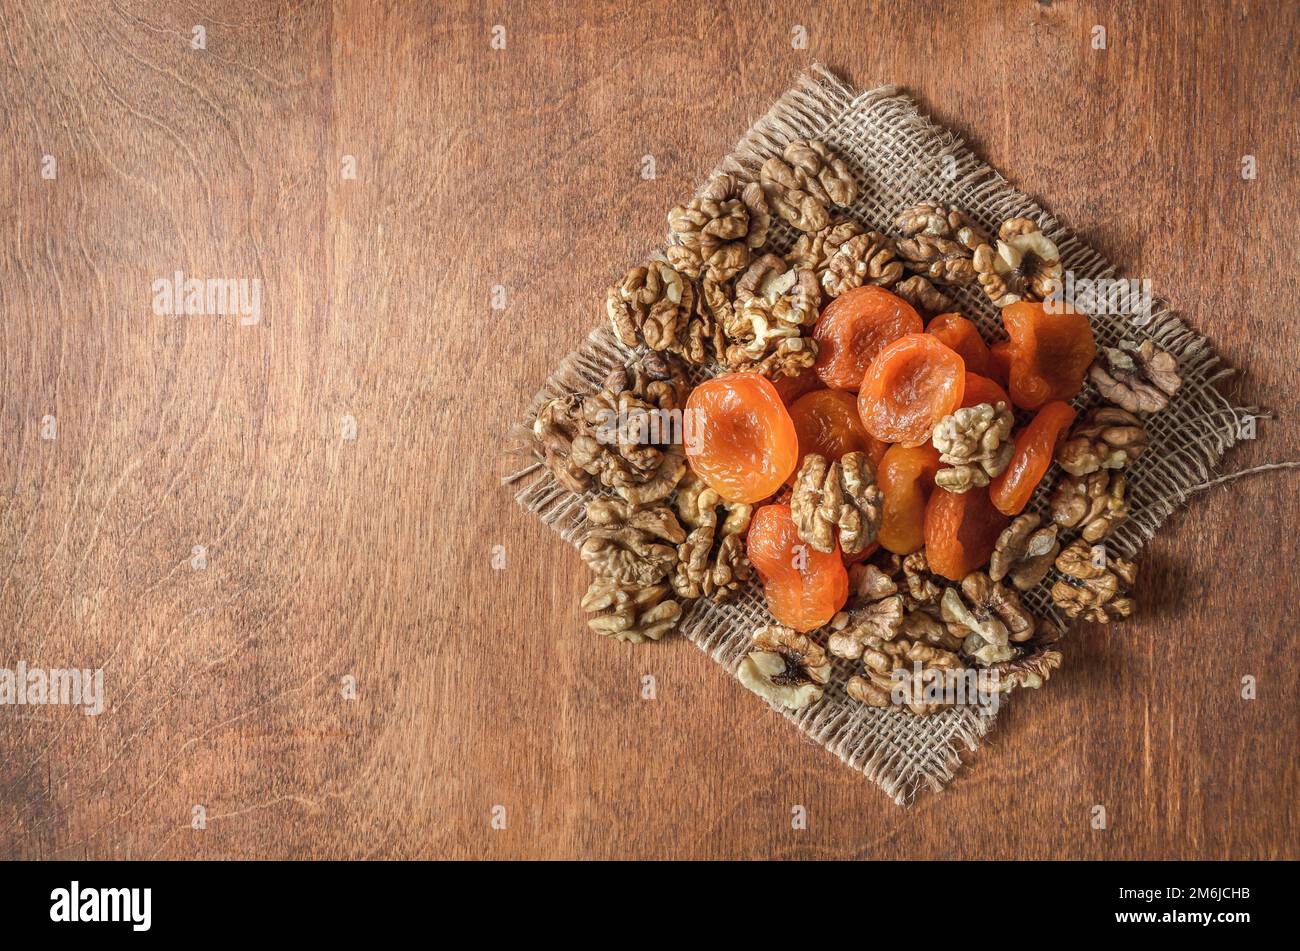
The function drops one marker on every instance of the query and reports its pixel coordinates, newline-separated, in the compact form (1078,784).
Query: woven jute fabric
(899,157)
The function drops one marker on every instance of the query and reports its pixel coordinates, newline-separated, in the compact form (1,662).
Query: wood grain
(371,557)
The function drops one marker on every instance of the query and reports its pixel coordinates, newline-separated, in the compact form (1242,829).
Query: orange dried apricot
(1034,447)
(905,477)
(855,327)
(739,437)
(804,587)
(790,388)
(913,383)
(861,556)
(826,422)
(963,336)
(961,531)
(980,389)
(1000,363)
(1050,353)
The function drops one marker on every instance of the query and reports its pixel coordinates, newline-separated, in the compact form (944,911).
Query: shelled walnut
(1097,589)
(924,625)
(813,250)
(988,615)
(974,444)
(1107,438)
(1029,670)
(1024,265)
(778,294)
(1024,552)
(836,499)
(652,379)
(806,182)
(631,545)
(937,259)
(616,434)
(1094,504)
(774,306)
(867,258)
(558,422)
(705,332)
(718,231)
(889,673)
(936,219)
(785,667)
(784,356)
(664,309)
(923,588)
(938,242)
(652,304)
(711,562)
(1137,377)
(876,611)
(922,295)
(629,611)
(870,582)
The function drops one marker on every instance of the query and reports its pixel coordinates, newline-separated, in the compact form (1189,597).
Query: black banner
(141,900)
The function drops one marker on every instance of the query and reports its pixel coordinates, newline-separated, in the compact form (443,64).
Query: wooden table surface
(326,561)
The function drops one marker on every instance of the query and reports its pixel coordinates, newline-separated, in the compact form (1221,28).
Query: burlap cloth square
(899,158)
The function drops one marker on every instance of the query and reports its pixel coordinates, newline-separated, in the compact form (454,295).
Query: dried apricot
(1034,447)
(980,389)
(790,388)
(961,531)
(906,478)
(1050,353)
(963,336)
(1000,363)
(739,437)
(804,587)
(826,422)
(914,382)
(860,556)
(855,327)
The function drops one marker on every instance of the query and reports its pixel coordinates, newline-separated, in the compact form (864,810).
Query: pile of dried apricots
(855,442)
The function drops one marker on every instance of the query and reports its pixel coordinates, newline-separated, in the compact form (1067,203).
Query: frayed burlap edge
(900,157)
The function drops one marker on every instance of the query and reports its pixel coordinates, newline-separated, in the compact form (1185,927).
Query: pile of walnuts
(718,296)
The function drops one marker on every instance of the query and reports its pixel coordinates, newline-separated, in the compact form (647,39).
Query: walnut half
(876,620)
(1024,552)
(836,495)
(1025,264)
(990,617)
(1107,438)
(974,444)
(922,295)
(785,667)
(806,182)
(630,545)
(717,232)
(867,258)
(765,328)
(1137,377)
(1098,587)
(629,611)
(1094,504)
(712,562)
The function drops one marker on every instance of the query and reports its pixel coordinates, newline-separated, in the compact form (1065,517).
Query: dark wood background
(371,558)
